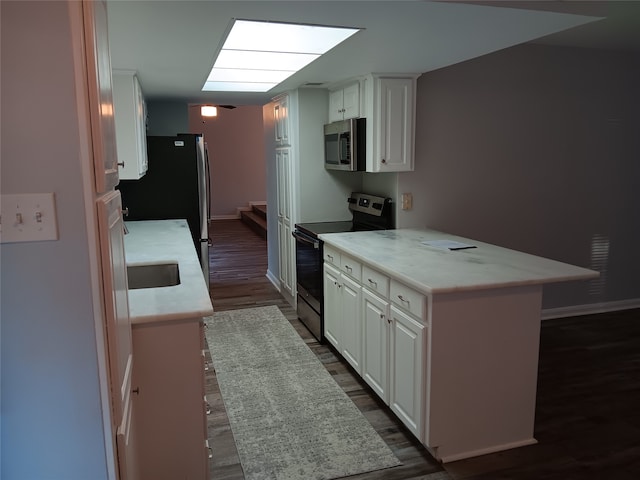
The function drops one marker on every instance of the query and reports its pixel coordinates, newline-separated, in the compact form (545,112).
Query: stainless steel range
(369,212)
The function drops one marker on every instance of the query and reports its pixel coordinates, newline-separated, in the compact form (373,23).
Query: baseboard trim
(589,309)
(224,217)
(274,281)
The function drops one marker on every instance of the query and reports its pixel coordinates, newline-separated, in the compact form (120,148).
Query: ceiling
(172,44)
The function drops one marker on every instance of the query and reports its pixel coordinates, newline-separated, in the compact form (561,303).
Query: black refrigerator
(176,186)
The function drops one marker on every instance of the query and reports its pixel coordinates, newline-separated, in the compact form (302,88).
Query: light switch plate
(28,217)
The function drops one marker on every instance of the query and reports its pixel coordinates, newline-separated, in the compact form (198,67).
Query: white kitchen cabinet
(118,329)
(343,306)
(375,345)
(344,103)
(100,91)
(384,339)
(171,403)
(406,379)
(281,117)
(390,116)
(286,242)
(394,351)
(130,120)
(332,306)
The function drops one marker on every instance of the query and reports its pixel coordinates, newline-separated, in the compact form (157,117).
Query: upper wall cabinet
(131,132)
(100,95)
(281,118)
(391,114)
(344,103)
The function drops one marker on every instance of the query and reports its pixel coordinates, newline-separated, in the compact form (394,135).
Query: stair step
(260,210)
(255,222)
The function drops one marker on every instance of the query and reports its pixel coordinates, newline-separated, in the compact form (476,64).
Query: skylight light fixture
(257,56)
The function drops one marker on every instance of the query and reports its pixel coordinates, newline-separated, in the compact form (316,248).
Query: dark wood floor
(588,405)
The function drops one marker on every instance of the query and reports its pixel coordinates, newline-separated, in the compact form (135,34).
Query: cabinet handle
(121,164)
(389,321)
(348,268)
(136,391)
(402,299)
(330,257)
(384,161)
(372,282)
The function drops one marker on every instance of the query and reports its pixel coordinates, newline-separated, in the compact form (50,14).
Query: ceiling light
(256,56)
(208,111)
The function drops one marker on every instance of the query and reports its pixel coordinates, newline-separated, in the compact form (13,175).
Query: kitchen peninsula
(168,359)
(447,338)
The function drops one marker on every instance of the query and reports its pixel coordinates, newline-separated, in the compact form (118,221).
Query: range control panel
(369,204)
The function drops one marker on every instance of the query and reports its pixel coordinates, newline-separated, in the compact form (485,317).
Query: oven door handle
(305,239)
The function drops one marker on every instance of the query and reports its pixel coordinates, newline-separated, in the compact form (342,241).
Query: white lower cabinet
(375,357)
(342,312)
(384,340)
(408,361)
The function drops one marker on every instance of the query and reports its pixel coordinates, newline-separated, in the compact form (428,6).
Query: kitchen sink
(153,275)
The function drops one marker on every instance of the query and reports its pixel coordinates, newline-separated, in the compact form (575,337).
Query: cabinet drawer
(351,266)
(331,256)
(408,299)
(375,281)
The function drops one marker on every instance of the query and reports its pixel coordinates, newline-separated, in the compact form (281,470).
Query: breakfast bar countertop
(166,241)
(431,269)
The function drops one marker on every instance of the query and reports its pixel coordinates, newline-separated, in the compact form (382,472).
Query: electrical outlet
(28,217)
(407,201)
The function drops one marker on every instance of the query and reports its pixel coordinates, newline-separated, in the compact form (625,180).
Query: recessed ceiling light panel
(260,54)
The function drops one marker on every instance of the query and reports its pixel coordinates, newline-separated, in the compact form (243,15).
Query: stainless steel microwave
(344,145)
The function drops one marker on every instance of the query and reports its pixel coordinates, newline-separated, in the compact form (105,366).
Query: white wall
(535,148)
(236,157)
(51,407)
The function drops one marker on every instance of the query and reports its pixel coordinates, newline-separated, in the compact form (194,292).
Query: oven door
(309,280)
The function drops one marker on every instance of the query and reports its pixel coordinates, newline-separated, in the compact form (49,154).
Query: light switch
(407,201)
(28,217)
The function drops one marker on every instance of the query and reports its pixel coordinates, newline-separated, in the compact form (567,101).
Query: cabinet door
(141,127)
(335,105)
(281,117)
(395,126)
(350,318)
(103,130)
(332,306)
(115,287)
(351,101)
(408,343)
(375,354)
(286,263)
(130,126)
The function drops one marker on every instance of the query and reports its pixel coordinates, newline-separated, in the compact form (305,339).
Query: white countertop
(165,241)
(400,254)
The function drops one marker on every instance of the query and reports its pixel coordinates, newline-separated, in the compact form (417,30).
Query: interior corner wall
(235,142)
(536,148)
(166,117)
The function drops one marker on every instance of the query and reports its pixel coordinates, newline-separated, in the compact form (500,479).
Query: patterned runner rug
(289,418)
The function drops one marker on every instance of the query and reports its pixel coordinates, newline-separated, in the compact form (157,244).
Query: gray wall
(51,407)
(536,148)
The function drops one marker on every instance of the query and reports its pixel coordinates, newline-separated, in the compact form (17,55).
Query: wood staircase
(256,219)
